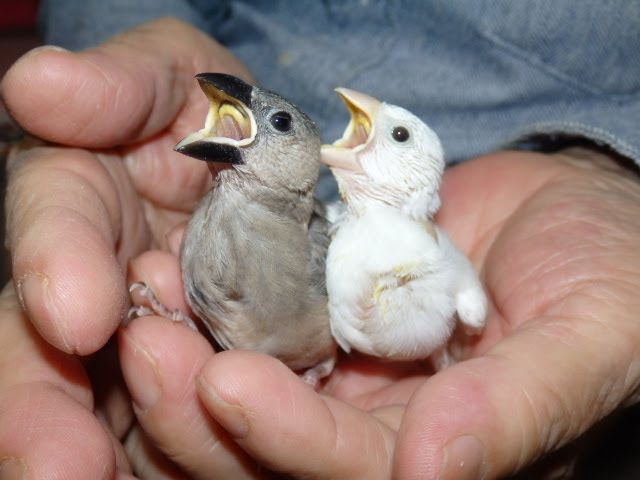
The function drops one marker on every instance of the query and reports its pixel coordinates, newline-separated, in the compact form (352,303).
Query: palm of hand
(552,237)
(555,240)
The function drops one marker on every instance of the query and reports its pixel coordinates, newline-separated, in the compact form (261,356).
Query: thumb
(492,415)
(125,90)
(288,427)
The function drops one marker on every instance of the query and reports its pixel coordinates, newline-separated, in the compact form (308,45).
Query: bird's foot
(313,375)
(442,358)
(472,310)
(156,307)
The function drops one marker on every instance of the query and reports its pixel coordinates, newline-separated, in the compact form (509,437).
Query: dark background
(17,35)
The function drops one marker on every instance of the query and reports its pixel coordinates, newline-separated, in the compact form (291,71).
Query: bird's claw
(442,358)
(138,311)
(313,375)
(156,307)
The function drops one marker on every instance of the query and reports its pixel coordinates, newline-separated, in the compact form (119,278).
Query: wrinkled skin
(554,236)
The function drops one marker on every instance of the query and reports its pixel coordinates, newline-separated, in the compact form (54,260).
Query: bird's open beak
(343,153)
(230,124)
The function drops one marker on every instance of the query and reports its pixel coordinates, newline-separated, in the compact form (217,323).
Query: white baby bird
(395,281)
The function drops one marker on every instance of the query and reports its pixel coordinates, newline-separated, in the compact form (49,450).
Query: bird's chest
(379,242)
(242,243)
(379,268)
(240,255)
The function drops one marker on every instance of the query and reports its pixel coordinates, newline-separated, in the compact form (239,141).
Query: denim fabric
(483,74)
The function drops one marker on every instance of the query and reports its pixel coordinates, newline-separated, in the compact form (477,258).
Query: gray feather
(253,255)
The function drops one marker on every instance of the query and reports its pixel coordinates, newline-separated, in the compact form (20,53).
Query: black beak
(221,89)
(228,84)
(211,152)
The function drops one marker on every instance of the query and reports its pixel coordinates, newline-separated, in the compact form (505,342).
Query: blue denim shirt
(483,74)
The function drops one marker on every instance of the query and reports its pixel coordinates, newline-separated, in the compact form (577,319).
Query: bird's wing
(319,226)
(373,264)
(471,300)
(336,213)
(371,310)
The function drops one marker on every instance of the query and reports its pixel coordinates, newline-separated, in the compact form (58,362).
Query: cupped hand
(108,185)
(102,185)
(48,422)
(554,237)
(555,240)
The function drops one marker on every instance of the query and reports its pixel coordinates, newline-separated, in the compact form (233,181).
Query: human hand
(75,216)
(106,188)
(48,419)
(555,238)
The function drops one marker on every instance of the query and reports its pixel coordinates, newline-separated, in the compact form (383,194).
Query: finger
(368,384)
(495,414)
(47,434)
(124,475)
(160,359)
(63,225)
(174,238)
(148,462)
(112,399)
(38,362)
(131,87)
(472,211)
(47,429)
(271,413)
(123,464)
(160,271)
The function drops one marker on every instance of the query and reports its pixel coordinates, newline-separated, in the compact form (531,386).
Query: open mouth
(229,124)
(359,128)
(228,119)
(357,135)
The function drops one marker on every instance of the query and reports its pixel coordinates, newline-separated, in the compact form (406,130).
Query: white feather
(395,280)
(394,289)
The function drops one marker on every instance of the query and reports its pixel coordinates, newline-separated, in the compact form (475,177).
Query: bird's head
(386,156)
(257,133)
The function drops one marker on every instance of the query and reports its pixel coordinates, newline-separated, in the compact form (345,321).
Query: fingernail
(463,459)
(31,286)
(231,417)
(12,468)
(55,48)
(50,48)
(45,48)
(142,374)
(33,295)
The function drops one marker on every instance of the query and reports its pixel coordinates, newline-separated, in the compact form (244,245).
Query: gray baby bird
(253,254)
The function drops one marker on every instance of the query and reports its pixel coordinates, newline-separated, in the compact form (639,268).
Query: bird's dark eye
(281,121)
(400,134)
